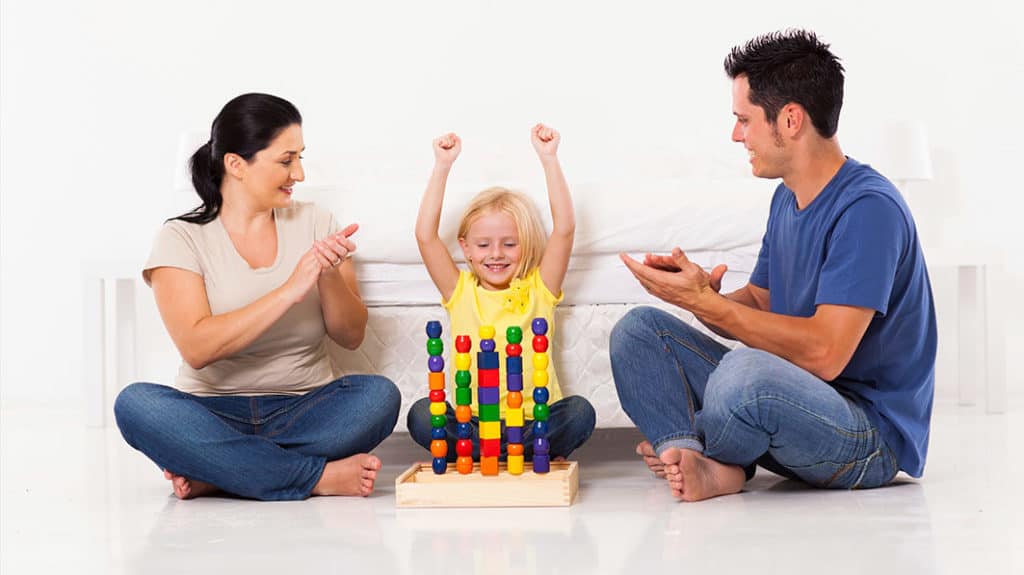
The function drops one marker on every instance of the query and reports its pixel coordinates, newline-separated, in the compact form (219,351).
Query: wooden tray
(419,486)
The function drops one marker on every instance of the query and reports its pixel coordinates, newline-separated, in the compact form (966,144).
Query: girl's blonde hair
(523,213)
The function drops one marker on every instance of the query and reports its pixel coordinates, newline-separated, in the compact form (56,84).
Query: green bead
(463,396)
(435,346)
(489,412)
(514,334)
(540,411)
(438,421)
(462,378)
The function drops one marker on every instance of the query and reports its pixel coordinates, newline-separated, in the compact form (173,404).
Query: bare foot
(350,476)
(559,458)
(186,488)
(693,477)
(645,450)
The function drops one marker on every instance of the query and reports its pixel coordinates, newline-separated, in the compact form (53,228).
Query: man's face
(761,138)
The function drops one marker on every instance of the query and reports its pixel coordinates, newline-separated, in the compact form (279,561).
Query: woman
(248,284)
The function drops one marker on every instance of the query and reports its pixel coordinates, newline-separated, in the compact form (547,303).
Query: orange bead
(463,413)
(514,399)
(439,448)
(464,465)
(515,448)
(489,465)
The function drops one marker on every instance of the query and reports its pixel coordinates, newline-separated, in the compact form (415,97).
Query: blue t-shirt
(856,244)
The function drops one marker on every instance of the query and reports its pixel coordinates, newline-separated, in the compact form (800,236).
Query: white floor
(75,500)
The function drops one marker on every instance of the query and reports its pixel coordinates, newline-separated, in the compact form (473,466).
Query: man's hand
(675,279)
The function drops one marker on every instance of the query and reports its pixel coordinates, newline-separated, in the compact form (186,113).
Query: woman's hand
(545,141)
(304,276)
(333,250)
(446,149)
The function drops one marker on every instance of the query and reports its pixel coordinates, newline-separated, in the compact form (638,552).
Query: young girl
(513,277)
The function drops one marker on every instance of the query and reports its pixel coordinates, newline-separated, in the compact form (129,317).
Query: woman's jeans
(269,447)
(570,424)
(742,407)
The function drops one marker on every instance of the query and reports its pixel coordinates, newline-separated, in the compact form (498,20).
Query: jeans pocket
(875,470)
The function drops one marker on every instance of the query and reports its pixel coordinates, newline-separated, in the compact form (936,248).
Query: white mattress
(592,279)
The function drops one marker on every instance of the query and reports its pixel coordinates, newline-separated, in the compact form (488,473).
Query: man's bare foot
(350,476)
(645,450)
(693,477)
(185,488)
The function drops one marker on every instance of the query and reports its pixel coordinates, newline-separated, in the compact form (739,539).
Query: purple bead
(514,381)
(488,395)
(541,464)
(486,345)
(539,326)
(514,434)
(433,329)
(435,363)
(541,446)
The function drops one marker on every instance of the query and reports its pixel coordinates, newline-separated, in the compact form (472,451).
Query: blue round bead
(440,465)
(540,428)
(438,433)
(464,430)
(539,326)
(540,395)
(486,345)
(433,329)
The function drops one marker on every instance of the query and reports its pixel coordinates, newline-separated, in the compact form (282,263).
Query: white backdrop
(94,97)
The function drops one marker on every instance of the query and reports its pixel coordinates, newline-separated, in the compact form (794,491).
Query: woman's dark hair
(246,125)
(791,66)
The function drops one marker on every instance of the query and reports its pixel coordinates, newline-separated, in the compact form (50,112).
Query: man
(835,384)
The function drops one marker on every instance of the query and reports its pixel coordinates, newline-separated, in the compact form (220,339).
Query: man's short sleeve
(759,276)
(864,249)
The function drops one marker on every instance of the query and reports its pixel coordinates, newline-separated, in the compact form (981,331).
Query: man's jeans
(742,407)
(269,447)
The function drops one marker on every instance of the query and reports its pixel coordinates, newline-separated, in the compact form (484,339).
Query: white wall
(94,95)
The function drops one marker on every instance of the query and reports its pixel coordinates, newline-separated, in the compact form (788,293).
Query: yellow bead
(437,408)
(515,464)
(540,379)
(487,332)
(514,417)
(540,361)
(490,430)
(462,361)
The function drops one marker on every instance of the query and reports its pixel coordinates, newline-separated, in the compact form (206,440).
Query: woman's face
(273,171)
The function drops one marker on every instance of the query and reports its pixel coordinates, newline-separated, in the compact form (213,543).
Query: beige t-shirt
(291,356)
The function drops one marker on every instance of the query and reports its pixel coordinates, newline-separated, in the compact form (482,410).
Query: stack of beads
(514,399)
(488,393)
(463,401)
(541,461)
(438,407)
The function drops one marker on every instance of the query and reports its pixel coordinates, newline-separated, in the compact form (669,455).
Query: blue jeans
(270,447)
(742,407)
(570,423)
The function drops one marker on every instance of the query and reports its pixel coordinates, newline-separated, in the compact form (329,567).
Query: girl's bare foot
(645,450)
(693,477)
(350,476)
(185,488)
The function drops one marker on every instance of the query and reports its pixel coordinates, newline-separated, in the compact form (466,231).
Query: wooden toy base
(419,486)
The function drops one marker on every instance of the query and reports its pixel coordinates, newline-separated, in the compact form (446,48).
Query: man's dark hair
(791,66)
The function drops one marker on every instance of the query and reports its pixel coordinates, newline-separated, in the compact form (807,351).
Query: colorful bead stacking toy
(463,409)
(488,391)
(514,399)
(541,447)
(438,407)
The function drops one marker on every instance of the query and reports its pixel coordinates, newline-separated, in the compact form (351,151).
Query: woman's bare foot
(185,488)
(693,477)
(645,450)
(350,476)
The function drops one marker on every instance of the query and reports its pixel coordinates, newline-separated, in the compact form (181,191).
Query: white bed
(714,220)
